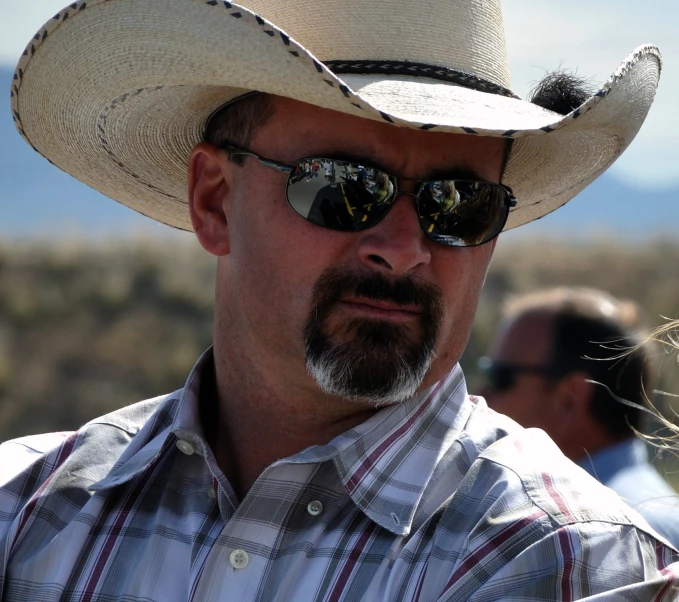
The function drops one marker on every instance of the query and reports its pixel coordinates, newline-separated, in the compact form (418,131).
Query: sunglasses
(352,197)
(501,376)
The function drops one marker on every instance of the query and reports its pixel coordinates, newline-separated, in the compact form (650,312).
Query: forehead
(524,339)
(298,129)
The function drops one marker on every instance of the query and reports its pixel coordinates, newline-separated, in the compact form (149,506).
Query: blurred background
(101,307)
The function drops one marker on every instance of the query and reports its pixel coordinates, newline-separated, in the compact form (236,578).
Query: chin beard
(376,361)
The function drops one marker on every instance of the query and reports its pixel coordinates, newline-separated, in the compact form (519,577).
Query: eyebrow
(448,173)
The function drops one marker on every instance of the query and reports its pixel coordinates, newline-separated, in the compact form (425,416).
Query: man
(325,448)
(558,363)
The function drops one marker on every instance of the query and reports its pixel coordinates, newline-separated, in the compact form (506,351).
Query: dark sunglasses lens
(462,213)
(500,379)
(339,195)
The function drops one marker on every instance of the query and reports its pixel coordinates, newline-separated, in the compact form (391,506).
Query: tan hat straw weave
(117,92)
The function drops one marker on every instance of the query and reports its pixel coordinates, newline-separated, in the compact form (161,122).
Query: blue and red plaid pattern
(435,499)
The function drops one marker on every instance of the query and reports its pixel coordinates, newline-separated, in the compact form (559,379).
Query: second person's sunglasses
(501,376)
(350,197)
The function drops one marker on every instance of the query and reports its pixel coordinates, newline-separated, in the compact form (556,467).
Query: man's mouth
(380,309)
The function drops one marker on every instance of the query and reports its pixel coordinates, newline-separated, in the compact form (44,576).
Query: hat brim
(118,93)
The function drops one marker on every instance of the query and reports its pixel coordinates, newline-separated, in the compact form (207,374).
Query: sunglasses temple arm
(276,165)
(263,160)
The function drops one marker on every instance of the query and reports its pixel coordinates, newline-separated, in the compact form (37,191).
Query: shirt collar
(385,463)
(605,463)
(176,417)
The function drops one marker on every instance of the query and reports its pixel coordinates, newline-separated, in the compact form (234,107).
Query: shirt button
(185,447)
(239,559)
(211,492)
(314,508)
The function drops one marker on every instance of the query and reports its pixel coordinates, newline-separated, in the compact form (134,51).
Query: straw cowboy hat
(117,92)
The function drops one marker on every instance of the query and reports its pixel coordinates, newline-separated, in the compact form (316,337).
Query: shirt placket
(241,557)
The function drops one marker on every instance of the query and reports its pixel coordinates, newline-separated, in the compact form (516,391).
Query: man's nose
(397,244)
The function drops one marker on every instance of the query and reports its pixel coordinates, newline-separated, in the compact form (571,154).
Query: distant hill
(611,207)
(38,200)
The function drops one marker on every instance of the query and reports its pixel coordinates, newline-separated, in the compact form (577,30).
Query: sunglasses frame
(488,367)
(510,199)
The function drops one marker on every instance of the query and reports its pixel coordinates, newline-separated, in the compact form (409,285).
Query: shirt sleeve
(587,561)
(25,465)
(536,527)
(17,455)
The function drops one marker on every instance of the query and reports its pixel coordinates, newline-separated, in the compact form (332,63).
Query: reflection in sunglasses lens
(461,213)
(339,195)
(351,197)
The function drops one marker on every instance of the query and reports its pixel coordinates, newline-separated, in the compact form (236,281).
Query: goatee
(375,361)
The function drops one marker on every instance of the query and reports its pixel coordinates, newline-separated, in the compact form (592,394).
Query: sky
(590,36)
(594,37)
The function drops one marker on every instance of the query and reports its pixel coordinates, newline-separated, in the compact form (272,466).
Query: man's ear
(575,396)
(210,185)
(577,429)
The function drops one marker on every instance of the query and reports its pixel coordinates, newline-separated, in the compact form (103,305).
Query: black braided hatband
(460,78)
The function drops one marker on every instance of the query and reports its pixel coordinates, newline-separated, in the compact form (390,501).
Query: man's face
(372,315)
(528,398)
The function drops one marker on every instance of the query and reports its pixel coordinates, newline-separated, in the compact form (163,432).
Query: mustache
(336,283)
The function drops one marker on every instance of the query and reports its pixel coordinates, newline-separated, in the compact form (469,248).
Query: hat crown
(463,35)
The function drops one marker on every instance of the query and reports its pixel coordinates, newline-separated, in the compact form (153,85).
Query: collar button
(314,508)
(185,447)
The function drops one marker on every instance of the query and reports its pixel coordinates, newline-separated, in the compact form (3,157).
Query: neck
(252,422)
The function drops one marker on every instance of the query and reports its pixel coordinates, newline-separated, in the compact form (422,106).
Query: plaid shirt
(438,498)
